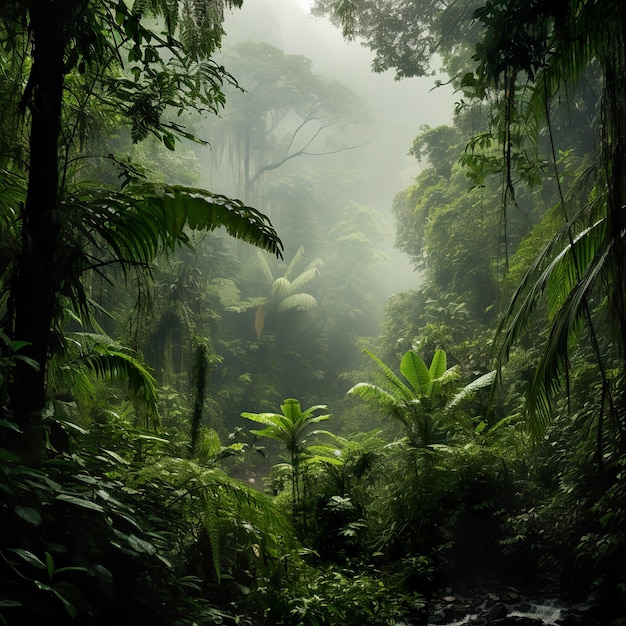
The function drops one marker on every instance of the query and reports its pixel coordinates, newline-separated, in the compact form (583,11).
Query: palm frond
(293,264)
(554,359)
(92,354)
(572,264)
(304,278)
(518,315)
(116,366)
(281,288)
(147,219)
(376,395)
(264,267)
(298,301)
(398,386)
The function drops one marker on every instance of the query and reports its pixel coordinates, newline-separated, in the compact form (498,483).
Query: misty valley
(313,313)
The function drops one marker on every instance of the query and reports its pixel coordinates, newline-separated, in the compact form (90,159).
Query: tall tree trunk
(34,290)
(201,361)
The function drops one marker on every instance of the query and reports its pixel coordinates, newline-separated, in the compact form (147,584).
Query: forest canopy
(211,411)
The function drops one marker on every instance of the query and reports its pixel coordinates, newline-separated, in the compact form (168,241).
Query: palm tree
(556,45)
(411,401)
(286,290)
(290,428)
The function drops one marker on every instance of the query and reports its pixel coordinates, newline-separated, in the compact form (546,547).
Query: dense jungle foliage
(207,415)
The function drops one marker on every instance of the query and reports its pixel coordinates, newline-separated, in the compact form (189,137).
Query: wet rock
(512,594)
(570,618)
(438,616)
(492,613)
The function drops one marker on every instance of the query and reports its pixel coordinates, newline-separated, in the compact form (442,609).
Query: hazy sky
(398,108)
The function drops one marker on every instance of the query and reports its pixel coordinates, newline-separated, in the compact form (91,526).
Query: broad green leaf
(28,514)
(140,545)
(438,365)
(413,368)
(9,425)
(85,504)
(29,557)
(116,456)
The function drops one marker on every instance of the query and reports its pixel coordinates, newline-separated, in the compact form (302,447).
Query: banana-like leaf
(413,368)
(438,365)
(291,409)
(269,419)
(290,426)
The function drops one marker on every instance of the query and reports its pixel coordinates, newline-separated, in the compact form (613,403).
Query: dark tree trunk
(201,361)
(34,290)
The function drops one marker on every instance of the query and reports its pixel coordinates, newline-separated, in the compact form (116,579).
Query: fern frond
(88,355)
(486,380)
(223,505)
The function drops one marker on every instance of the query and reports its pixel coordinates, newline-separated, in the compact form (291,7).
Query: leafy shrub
(332,595)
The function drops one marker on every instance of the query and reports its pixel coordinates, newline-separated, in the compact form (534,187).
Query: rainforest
(260,366)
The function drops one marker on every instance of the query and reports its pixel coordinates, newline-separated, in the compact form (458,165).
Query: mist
(396,110)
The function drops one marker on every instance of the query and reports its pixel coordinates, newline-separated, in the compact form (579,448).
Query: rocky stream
(494,604)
